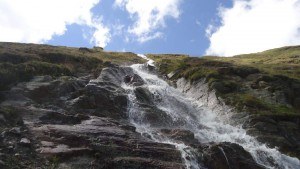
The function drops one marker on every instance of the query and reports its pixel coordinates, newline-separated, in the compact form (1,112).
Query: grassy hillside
(251,82)
(19,62)
(282,61)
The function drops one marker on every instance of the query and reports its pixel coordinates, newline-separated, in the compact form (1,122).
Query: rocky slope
(71,120)
(263,90)
(66,107)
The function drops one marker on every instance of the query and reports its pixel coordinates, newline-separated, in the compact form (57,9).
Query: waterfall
(191,114)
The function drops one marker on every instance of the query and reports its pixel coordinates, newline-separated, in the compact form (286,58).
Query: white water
(206,124)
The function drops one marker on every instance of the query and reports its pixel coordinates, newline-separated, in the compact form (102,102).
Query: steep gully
(193,108)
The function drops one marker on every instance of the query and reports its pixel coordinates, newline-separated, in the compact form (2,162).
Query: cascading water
(191,114)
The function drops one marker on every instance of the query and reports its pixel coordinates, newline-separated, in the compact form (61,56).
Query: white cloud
(149,16)
(152,36)
(101,36)
(255,25)
(37,21)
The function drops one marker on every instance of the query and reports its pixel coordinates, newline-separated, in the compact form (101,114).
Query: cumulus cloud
(37,21)
(255,25)
(101,36)
(149,16)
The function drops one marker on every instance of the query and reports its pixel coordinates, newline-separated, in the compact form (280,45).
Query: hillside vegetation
(263,83)
(20,62)
(280,61)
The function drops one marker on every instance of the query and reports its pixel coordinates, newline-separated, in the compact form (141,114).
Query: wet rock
(228,156)
(180,135)
(276,131)
(127,79)
(158,118)
(25,142)
(134,80)
(68,85)
(102,140)
(267,127)
(151,68)
(60,118)
(15,130)
(102,97)
(138,162)
(47,144)
(274,140)
(114,75)
(143,95)
(63,151)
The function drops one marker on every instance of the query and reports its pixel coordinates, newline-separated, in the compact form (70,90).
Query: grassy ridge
(19,62)
(241,81)
(281,61)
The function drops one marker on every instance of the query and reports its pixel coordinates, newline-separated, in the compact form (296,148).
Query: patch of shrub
(253,102)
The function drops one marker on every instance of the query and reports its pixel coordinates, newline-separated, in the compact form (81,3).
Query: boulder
(151,67)
(114,75)
(143,95)
(157,118)
(227,155)
(134,80)
(101,97)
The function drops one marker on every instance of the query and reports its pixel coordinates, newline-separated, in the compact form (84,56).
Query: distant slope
(281,61)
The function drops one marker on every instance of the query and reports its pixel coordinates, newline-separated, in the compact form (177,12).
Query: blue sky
(194,27)
(183,35)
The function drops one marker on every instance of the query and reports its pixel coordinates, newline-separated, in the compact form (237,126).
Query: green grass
(281,61)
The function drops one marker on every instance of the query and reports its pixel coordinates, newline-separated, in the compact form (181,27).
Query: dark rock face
(150,114)
(143,95)
(79,122)
(282,132)
(60,118)
(228,156)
